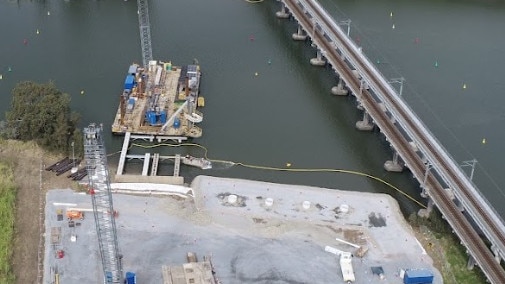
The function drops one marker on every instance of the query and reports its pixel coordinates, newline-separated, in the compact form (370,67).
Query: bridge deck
(344,56)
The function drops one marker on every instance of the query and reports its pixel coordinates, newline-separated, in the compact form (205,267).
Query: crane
(98,175)
(145,32)
(99,188)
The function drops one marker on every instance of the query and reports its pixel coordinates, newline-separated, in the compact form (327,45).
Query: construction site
(220,230)
(233,231)
(160,100)
(215,230)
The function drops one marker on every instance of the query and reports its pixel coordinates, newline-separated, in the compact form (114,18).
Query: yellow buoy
(391,14)
(393,26)
(483,140)
(38,32)
(256,74)
(464,86)
(48,13)
(1,76)
(82,92)
(288,165)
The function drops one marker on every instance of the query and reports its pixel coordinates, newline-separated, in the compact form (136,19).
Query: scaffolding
(101,196)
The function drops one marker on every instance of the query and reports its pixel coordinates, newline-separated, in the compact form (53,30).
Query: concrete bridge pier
(299,35)
(394,165)
(318,60)
(496,253)
(365,124)
(424,191)
(283,13)
(339,89)
(425,212)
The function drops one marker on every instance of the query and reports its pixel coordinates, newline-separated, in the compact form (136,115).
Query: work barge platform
(160,100)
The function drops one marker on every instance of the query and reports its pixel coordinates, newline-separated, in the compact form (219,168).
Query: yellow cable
(336,171)
(284,169)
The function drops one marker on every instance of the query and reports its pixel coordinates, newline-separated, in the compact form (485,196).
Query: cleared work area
(253,232)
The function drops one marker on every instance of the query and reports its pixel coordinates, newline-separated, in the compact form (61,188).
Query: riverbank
(25,158)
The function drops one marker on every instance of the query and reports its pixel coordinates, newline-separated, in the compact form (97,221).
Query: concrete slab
(263,233)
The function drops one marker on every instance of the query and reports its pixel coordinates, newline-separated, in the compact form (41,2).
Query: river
(286,113)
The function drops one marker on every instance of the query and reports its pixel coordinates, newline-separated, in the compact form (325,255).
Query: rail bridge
(441,178)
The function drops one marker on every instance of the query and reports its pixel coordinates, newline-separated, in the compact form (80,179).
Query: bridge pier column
(318,60)
(365,124)
(496,253)
(339,90)
(425,212)
(394,165)
(299,35)
(424,192)
(283,13)
(471,263)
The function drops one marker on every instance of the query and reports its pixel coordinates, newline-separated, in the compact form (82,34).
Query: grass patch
(444,247)
(7,203)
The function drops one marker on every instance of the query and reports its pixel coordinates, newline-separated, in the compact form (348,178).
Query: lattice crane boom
(145,32)
(99,188)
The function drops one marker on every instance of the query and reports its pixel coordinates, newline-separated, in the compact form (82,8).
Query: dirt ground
(28,160)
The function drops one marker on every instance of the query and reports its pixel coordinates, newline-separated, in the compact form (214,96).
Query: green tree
(41,112)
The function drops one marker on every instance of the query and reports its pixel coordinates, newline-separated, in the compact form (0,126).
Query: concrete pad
(249,240)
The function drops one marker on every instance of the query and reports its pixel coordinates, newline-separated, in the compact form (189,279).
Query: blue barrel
(151,117)
(163,117)
(177,123)
(131,278)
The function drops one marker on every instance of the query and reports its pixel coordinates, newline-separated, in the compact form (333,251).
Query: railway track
(460,224)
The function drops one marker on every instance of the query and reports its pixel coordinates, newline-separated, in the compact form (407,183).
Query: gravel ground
(249,240)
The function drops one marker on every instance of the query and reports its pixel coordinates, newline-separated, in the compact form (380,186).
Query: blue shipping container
(131,278)
(418,276)
(163,117)
(129,82)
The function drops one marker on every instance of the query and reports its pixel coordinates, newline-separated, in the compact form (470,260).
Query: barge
(160,101)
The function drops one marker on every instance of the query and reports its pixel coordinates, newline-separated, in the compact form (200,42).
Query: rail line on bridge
(427,156)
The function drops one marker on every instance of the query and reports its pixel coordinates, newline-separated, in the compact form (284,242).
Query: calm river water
(286,113)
